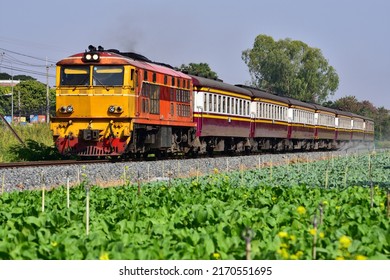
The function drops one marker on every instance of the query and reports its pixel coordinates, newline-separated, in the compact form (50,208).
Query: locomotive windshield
(75,76)
(107,75)
(101,75)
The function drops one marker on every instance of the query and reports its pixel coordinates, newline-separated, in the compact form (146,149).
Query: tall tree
(32,98)
(199,69)
(290,68)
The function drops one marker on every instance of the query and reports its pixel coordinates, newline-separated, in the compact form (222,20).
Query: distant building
(9,83)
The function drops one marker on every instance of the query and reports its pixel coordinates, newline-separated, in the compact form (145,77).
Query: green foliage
(290,68)
(38,139)
(205,218)
(199,69)
(32,96)
(381,116)
(33,150)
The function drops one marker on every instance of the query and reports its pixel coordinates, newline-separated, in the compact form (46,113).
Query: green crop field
(330,209)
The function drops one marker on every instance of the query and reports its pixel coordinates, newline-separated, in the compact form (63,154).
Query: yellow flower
(301,210)
(325,202)
(283,245)
(322,235)
(361,257)
(338,207)
(293,237)
(104,256)
(345,241)
(216,171)
(216,256)
(54,244)
(299,254)
(340,258)
(283,234)
(284,254)
(313,231)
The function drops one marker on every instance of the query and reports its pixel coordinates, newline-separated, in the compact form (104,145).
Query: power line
(11,59)
(30,56)
(27,71)
(8,61)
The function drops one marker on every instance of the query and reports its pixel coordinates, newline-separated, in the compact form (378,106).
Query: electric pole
(47,93)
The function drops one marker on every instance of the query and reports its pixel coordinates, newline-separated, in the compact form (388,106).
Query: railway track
(96,161)
(50,174)
(50,163)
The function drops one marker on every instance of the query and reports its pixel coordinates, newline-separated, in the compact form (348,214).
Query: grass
(38,143)
(385,144)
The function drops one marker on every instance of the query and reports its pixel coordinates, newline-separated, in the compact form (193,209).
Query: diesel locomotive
(121,104)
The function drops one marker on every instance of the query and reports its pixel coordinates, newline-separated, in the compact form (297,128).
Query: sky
(354,36)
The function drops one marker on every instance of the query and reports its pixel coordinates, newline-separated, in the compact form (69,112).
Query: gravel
(114,174)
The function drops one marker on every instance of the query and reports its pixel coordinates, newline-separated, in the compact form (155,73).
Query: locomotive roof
(218,84)
(112,58)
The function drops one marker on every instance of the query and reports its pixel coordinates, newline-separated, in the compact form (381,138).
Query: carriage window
(107,75)
(75,75)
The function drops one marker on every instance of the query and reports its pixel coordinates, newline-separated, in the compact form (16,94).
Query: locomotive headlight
(111,109)
(69,109)
(119,109)
(63,109)
(91,57)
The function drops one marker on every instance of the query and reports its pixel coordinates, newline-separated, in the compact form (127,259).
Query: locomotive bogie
(171,140)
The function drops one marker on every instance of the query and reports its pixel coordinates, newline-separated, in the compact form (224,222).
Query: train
(123,105)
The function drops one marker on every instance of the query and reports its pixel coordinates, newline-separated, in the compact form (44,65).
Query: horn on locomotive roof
(92,48)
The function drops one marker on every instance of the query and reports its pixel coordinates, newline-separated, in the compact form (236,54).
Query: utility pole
(12,94)
(19,103)
(47,93)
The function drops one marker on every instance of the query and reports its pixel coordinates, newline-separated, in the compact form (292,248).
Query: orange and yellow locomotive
(110,104)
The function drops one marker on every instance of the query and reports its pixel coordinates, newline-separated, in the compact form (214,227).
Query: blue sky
(353,35)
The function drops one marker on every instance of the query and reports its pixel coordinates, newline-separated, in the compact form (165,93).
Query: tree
(348,103)
(199,69)
(381,116)
(24,78)
(290,68)
(382,124)
(6,76)
(32,98)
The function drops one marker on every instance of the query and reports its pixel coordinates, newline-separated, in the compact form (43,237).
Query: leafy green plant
(204,218)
